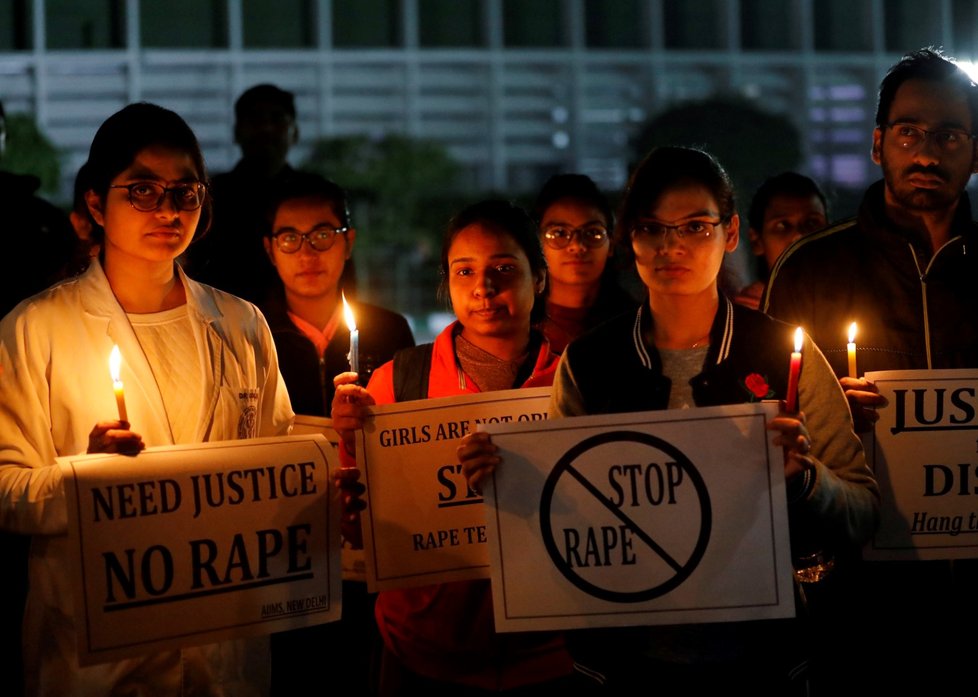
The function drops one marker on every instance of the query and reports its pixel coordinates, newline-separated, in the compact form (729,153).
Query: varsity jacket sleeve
(839,495)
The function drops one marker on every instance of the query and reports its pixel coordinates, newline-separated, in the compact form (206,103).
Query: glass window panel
(366,23)
(533,23)
(693,24)
(183,24)
(964,28)
(16,27)
(767,25)
(85,23)
(450,23)
(843,25)
(278,23)
(615,24)
(910,25)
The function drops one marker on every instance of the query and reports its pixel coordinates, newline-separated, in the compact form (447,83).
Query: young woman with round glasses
(309,240)
(686,346)
(198,365)
(575,220)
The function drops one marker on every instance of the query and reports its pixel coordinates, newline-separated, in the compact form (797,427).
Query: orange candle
(851,349)
(791,399)
(115,365)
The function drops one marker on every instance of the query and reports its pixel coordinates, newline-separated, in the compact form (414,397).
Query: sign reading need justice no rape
(190,544)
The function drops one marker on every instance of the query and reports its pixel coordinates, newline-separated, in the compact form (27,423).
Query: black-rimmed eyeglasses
(148,196)
(319,238)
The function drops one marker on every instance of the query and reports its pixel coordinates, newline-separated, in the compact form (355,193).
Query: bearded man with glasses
(905,270)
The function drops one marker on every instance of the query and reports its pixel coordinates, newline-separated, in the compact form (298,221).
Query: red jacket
(446,631)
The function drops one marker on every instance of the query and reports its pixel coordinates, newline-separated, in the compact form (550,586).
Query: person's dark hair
(577,187)
(308,187)
(665,168)
(925,64)
(784,184)
(504,218)
(263,94)
(128,132)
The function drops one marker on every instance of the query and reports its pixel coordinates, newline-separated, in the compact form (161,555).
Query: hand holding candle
(351,323)
(115,365)
(791,399)
(851,349)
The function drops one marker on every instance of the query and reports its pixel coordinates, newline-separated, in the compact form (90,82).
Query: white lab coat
(54,386)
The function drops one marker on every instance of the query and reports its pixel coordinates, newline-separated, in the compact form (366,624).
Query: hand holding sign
(478,458)
(864,400)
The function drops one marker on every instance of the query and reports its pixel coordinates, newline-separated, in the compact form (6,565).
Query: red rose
(757,385)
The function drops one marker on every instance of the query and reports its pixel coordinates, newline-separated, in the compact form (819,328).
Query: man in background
(231,256)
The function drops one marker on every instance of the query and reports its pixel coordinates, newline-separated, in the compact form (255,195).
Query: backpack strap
(412,367)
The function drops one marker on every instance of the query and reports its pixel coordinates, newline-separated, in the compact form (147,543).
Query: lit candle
(115,364)
(792,397)
(353,356)
(851,348)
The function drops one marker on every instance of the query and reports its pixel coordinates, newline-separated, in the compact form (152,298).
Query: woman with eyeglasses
(575,220)
(198,365)
(689,346)
(440,639)
(309,240)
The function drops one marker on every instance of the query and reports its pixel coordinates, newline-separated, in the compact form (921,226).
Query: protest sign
(422,523)
(665,517)
(190,544)
(352,560)
(923,452)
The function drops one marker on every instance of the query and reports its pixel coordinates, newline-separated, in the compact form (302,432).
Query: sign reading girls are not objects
(422,523)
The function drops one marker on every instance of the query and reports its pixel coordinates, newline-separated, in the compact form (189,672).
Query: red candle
(792,397)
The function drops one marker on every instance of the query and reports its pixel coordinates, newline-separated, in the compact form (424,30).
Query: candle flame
(351,323)
(852,333)
(799,337)
(115,363)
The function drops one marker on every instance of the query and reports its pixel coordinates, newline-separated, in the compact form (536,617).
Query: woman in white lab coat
(198,365)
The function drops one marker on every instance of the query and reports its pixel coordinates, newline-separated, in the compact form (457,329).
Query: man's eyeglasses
(149,196)
(591,236)
(909,137)
(319,238)
(653,233)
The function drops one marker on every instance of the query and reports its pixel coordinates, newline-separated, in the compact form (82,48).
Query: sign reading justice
(190,544)
(422,523)
(661,517)
(923,452)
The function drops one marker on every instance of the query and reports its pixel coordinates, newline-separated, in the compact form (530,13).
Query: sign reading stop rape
(422,523)
(923,452)
(662,517)
(190,544)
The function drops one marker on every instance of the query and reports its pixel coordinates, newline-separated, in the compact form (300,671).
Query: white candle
(115,365)
(851,349)
(351,323)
